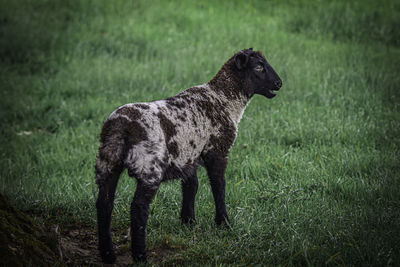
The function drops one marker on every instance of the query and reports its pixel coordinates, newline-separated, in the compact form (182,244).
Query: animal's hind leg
(107,182)
(139,214)
(189,190)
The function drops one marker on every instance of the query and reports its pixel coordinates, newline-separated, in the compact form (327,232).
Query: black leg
(216,166)
(139,214)
(105,204)
(189,190)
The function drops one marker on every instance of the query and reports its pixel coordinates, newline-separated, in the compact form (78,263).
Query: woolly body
(177,134)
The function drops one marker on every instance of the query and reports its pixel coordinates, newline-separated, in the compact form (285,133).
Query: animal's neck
(229,89)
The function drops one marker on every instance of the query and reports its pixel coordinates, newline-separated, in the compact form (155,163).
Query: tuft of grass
(313,178)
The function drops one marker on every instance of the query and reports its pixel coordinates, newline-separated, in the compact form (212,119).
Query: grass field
(314,176)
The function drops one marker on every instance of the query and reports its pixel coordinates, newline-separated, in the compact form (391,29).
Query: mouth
(270,93)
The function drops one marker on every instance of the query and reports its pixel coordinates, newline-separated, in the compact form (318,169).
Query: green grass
(313,178)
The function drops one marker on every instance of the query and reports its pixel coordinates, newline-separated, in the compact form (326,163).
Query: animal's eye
(259,68)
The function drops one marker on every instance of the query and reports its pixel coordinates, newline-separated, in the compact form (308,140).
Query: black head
(260,77)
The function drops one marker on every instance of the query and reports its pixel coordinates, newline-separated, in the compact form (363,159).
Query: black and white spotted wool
(171,138)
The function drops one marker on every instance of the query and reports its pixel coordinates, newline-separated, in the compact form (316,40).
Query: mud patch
(79,247)
(26,242)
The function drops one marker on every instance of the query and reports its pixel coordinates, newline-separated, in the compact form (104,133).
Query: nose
(278,84)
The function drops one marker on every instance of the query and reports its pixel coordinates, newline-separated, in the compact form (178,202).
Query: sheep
(168,139)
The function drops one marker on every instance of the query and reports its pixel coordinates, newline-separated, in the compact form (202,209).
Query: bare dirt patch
(25,241)
(79,247)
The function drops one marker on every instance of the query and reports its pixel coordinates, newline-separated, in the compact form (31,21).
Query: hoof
(223,223)
(139,256)
(188,221)
(108,257)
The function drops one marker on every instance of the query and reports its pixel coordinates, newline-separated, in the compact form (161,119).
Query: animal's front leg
(216,166)
(189,190)
(139,214)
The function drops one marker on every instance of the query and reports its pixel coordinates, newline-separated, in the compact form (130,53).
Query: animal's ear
(241,60)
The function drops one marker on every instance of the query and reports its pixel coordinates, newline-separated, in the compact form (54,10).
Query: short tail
(112,151)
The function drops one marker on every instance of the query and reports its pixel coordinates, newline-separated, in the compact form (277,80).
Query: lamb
(168,139)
